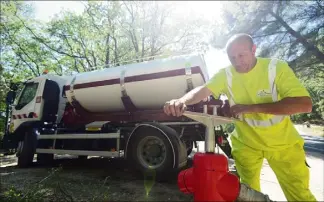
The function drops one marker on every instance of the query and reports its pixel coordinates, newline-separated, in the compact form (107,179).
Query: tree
(290,30)
(108,33)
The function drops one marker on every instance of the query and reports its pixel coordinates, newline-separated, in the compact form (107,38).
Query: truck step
(80,152)
(81,136)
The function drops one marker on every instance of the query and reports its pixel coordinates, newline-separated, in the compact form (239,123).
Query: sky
(215,60)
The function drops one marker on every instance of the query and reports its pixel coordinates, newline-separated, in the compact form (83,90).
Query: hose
(249,194)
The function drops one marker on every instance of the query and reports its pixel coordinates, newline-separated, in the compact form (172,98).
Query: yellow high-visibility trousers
(289,166)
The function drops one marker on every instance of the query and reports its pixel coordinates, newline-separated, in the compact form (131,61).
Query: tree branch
(35,74)
(94,58)
(299,37)
(43,42)
(270,34)
(116,51)
(37,67)
(85,52)
(75,65)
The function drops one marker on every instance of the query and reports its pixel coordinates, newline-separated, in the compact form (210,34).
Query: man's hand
(174,107)
(238,109)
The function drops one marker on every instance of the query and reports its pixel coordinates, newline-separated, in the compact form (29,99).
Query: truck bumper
(9,142)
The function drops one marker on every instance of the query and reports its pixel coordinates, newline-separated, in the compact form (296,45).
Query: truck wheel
(150,150)
(26,150)
(45,159)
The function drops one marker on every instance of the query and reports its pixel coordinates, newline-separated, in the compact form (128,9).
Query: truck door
(25,106)
(51,98)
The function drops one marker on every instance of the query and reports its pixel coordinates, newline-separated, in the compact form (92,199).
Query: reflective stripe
(229,85)
(271,76)
(265,123)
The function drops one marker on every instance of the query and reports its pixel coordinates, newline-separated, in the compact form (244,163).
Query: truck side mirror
(11,95)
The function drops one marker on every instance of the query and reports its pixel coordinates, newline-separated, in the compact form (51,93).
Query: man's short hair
(239,37)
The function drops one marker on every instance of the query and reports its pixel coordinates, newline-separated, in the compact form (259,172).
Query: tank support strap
(189,76)
(127,102)
(72,89)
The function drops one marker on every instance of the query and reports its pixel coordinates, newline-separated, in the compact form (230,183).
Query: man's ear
(253,49)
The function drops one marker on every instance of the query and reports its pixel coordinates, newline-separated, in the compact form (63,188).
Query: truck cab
(39,100)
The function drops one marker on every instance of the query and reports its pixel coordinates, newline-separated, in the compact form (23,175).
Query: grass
(94,180)
(29,191)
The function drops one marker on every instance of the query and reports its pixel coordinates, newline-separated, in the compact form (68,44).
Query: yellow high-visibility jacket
(269,81)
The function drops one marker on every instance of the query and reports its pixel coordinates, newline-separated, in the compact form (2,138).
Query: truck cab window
(27,95)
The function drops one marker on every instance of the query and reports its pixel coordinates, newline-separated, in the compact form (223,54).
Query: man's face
(241,55)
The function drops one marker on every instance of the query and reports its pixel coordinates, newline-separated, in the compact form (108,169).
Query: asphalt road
(314,144)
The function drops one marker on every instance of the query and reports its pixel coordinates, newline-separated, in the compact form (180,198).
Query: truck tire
(26,149)
(45,159)
(152,151)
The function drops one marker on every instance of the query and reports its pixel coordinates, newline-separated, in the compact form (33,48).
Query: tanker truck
(111,112)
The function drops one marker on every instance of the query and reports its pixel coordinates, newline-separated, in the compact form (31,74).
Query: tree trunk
(116,52)
(107,50)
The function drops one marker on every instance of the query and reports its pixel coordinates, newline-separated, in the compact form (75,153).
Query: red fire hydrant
(209,179)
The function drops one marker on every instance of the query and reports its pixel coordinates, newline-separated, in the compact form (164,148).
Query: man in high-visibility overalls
(262,93)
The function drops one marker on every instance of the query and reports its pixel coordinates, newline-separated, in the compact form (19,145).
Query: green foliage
(14,195)
(31,192)
(315,87)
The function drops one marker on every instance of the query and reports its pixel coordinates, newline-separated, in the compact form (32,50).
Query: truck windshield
(27,95)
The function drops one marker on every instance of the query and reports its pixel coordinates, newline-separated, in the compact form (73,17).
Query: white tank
(148,84)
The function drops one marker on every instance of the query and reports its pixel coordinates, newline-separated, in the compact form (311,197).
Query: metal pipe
(205,109)
(81,136)
(210,138)
(209,134)
(215,110)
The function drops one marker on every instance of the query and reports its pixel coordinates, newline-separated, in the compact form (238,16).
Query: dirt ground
(94,179)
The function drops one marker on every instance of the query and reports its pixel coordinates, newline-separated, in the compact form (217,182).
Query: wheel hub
(151,152)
